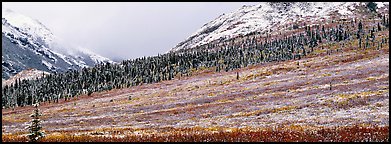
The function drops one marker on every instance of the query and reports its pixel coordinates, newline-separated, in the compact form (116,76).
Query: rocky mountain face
(27,43)
(267,17)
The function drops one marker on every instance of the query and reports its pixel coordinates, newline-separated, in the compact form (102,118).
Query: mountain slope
(265,17)
(27,74)
(294,98)
(27,43)
(337,91)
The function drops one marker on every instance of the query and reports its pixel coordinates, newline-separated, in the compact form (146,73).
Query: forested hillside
(224,56)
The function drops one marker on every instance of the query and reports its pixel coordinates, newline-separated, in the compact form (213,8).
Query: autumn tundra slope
(332,86)
(345,89)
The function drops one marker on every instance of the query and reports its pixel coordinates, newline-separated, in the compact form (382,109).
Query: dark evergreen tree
(372,6)
(35,126)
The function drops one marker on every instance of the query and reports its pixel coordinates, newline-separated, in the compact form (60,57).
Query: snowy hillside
(264,17)
(25,75)
(27,43)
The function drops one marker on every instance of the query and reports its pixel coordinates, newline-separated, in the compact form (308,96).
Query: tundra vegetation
(327,81)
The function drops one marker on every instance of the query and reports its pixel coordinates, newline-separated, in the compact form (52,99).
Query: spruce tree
(35,126)
(378,27)
(372,6)
(360,29)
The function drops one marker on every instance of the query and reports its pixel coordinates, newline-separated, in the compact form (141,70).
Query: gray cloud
(124,30)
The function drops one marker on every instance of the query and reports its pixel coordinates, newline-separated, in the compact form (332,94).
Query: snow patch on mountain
(47,64)
(95,57)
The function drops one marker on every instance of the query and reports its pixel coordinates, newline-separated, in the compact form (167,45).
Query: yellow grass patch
(66,110)
(269,83)
(211,94)
(12,118)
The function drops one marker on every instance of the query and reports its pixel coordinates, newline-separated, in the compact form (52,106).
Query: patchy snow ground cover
(337,95)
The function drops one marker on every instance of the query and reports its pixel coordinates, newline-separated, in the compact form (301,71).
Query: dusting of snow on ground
(300,96)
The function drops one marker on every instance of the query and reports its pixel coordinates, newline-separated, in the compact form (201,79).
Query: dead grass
(290,133)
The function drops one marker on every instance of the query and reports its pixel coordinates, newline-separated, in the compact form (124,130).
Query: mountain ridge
(27,43)
(264,17)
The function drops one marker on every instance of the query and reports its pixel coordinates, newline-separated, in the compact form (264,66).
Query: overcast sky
(124,30)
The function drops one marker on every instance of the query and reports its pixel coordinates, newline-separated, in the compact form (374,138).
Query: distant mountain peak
(27,25)
(26,42)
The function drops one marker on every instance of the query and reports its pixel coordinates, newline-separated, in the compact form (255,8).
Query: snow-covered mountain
(27,43)
(265,17)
